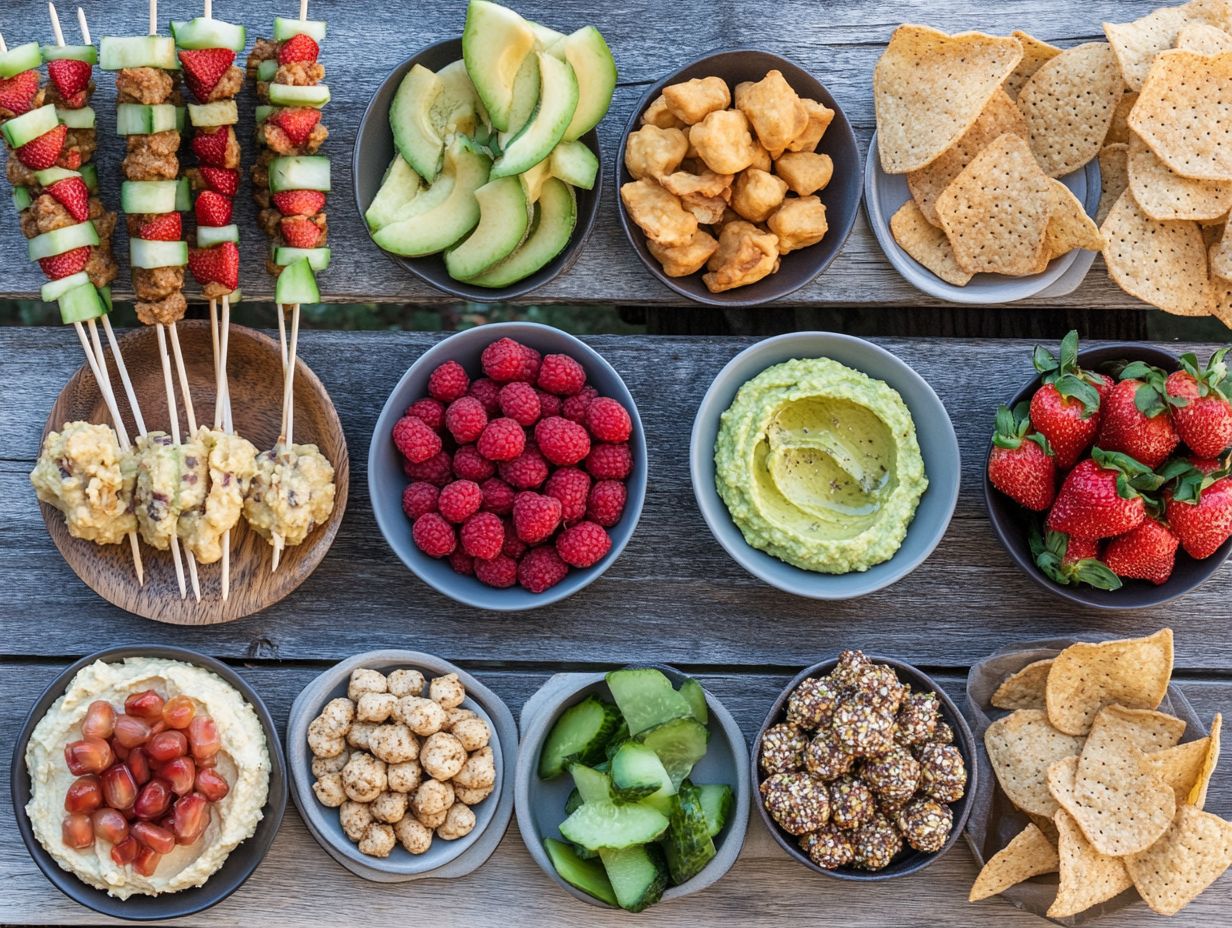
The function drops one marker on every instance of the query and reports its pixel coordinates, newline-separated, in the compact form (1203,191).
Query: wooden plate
(255,367)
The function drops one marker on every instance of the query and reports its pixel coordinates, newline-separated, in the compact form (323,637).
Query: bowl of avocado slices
(631,787)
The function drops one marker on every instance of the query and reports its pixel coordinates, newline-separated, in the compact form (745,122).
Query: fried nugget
(658,213)
(707,210)
(761,158)
(799,222)
(756,194)
(819,118)
(694,100)
(686,259)
(723,141)
(657,114)
(772,109)
(654,152)
(707,183)
(745,255)
(806,172)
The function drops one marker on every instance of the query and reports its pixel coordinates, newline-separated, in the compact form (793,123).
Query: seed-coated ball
(894,775)
(943,775)
(926,824)
(796,801)
(875,843)
(861,728)
(782,747)
(812,703)
(827,847)
(825,758)
(917,718)
(851,803)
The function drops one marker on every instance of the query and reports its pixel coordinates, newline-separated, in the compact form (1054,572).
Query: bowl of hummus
(242,771)
(824,465)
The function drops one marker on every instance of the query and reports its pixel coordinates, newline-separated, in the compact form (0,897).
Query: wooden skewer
(83,25)
(191,415)
(287,431)
(175,437)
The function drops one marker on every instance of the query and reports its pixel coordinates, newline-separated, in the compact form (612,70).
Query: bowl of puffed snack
(739,178)
(402,766)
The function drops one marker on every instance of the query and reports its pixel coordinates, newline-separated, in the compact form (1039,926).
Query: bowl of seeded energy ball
(864,769)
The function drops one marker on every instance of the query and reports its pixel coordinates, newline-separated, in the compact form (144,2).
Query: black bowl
(1012,523)
(374,148)
(841,197)
(240,863)
(908,860)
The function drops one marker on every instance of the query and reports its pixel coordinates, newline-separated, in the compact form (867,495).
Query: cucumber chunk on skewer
(58,241)
(80,118)
(284,28)
(29,126)
(206,32)
(137,51)
(83,303)
(86,53)
(54,289)
(297,284)
(20,58)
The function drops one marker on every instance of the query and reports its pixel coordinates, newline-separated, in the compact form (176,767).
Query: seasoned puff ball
(782,748)
(413,835)
(337,717)
(926,824)
(472,733)
(796,801)
(893,776)
(442,756)
(358,736)
(321,742)
(375,707)
(363,681)
(404,777)
(812,703)
(390,807)
(943,775)
(322,766)
(875,843)
(364,777)
(828,847)
(329,790)
(825,758)
(457,714)
(355,817)
(472,796)
(378,840)
(851,803)
(459,822)
(433,797)
(861,728)
(917,718)
(393,744)
(404,682)
(479,771)
(447,691)
(422,716)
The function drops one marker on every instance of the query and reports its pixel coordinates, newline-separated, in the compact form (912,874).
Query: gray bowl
(938,444)
(240,863)
(444,859)
(841,197)
(386,479)
(541,803)
(374,149)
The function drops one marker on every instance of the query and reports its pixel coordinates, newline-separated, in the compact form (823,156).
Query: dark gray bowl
(1012,523)
(841,197)
(240,863)
(374,147)
(386,479)
(908,861)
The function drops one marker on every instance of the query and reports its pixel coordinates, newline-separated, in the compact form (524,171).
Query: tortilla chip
(1136,44)
(929,87)
(1221,256)
(1024,689)
(1028,854)
(1192,854)
(1085,677)
(996,211)
(1068,104)
(927,184)
(1184,113)
(1118,131)
(1113,177)
(1222,309)
(1165,195)
(1187,767)
(1021,747)
(1161,263)
(1087,876)
(926,244)
(1069,226)
(1203,39)
(1197,795)
(1034,54)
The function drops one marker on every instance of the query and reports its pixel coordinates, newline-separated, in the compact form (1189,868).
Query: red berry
(608,420)
(531,360)
(433,535)
(221,180)
(1201,412)
(1147,437)
(448,382)
(514,546)
(1089,504)
(1066,422)
(437,470)
(535,516)
(204,68)
(419,498)
(462,563)
(431,411)
(520,402)
(497,496)
(41,152)
(483,535)
(487,391)
(525,472)
(561,374)
(574,407)
(459,500)
(504,360)
(212,209)
(502,440)
(72,80)
(66,263)
(606,503)
(1146,553)
(609,462)
(210,146)
(17,92)
(299,232)
(469,464)
(571,486)
(297,122)
(561,441)
(298,202)
(73,195)
(465,419)
(415,439)
(217,264)
(300,47)
(541,569)
(1203,524)
(549,404)
(583,544)
(161,227)
(500,572)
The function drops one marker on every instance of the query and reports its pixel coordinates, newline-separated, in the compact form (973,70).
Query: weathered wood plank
(838,41)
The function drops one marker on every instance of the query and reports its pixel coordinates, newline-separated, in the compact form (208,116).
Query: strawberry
(299,202)
(204,68)
(1146,553)
(221,180)
(1102,383)
(1021,464)
(1135,418)
(1201,401)
(299,233)
(65,263)
(1070,560)
(1065,409)
(163,227)
(17,92)
(297,122)
(212,209)
(219,264)
(72,80)
(211,147)
(1199,508)
(73,194)
(1103,496)
(42,152)
(298,48)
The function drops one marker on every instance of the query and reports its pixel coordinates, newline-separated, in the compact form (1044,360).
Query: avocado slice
(533,178)
(551,229)
(592,63)
(526,88)
(398,188)
(456,108)
(557,103)
(504,216)
(575,164)
(410,118)
(495,40)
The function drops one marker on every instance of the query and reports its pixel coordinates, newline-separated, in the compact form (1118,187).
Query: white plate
(885,193)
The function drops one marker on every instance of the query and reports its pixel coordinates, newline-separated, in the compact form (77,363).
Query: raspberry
(483,535)
(502,440)
(549,403)
(448,382)
(500,572)
(561,441)
(525,472)
(504,360)
(608,420)
(433,535)
(465,419)
(431,411)
(460,500)
(462,563)
(419,498)
(609,462)
(531,360)
(606,502)
(497,496)
(437,470)
(415,439)
(574,408)
(514,546)
(469,464)
(520,402)
(571,486)
(583,544)
(487,391)
(562,375)
(535,516)
(541,569)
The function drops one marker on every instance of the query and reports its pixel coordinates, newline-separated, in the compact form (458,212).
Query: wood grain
(838,41)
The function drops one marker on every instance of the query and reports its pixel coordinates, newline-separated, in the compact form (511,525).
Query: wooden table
(673,596)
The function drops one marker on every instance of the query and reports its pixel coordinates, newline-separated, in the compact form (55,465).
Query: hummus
(171,479)
(291,494)
(82,472)
(244,760)
(232,462)
(819,466)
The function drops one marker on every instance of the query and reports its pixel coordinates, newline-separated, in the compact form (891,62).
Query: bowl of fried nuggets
(739,179)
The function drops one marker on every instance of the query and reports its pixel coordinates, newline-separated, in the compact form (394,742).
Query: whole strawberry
(1066,407)
(1135,418)
(1146,553)
(1201,401)
(1103,496)
(1070,560)
(1022,465)
(1199,507)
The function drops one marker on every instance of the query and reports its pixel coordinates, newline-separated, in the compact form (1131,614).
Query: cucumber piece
(89,173)
(646,698)
(218,113)
(584,852)
(21,198)
(599,825)
(318,258)
(80,118)
(551,229)
(592,784)
(266,69)
(285,28)
(149,196)
(574,802)
(537,138)
(29,126)
(313,95)
(105,294)
(183,196)
(208,236)
(299,172)
(264,111)
(495,41)
(586,875)
(83,303)
(54,289)
(297,284)
(398,188)
(716,799)
(206,32)
(137,51)
(145,119)
(575,164)
(578,735)
(691,690)
(49,176)
(410,118)
(20,58)
(503,219)
(526,87)
(687,845)
(456,108)
(637,772)
(61,240)
(638,875)
(619,737)
(592,63)
(86,53)
(680,744)
(148,254)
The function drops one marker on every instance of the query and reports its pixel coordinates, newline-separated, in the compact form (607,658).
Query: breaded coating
(693,100)
(799,222)
(686,259)
(745,256)
(658,213)
(806,172)
(724,142)
(756,194)
(654,152)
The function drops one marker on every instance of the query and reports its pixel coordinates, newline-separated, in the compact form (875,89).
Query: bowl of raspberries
(508,467)
(1108,475)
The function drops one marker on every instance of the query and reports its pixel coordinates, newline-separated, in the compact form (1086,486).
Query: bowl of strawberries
(508,467)
(1109,476)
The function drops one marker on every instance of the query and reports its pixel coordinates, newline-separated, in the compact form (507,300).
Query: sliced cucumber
(691,690)
(592,63)
(264,111)
(398,188)
(573,802)
(592,784)
(80,118)
(410,118)
(586,875)
(688,845)
(183,196)
(578,736)
(21,198)
(318,258)
(646,698)
(313,95)
(456,107)
(20,58)
(297,284)
(148,254)
(149,196)
(208,236)
(137,51)
(206,32)
(86,53)
(59,241)
(637,772)
(716,799)
(619,737)
(54,289)
(551,229)
(145,118)
(598,825)
(638,875)
(495,40)
(49,176)
(526,87)
(299,172)
(267,69)
(83,303)
(535,141)
(575,164)
(29,126)
(218,113)
(680,744)
(504,217)
(89,173)
(285,28)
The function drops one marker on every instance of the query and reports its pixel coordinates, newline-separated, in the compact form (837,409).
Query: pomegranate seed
(167,745)
(179,711)
(131,731)
(156,838)
(146,705)
(120,751)
(212,785)
(77,830)
(208,762)
(89,755)
(192,817)
(100,720)
(167,822)
(153,800)
(110,825)
(180,774)
(204,738)
(139,763)
(158,727)
(85,794)
(147,861)
(126,851)
(119,787)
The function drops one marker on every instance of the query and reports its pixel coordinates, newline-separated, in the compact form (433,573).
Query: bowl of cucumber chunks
(476,164)
(631,787)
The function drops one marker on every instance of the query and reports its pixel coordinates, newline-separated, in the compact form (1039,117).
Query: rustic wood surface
(673,596)
(838,41)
